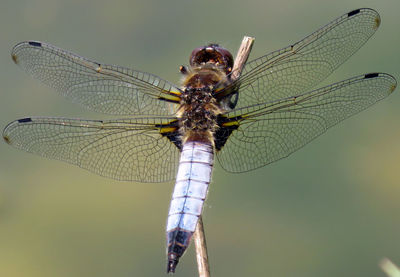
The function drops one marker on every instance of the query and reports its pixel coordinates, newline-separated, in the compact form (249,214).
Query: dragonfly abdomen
(193,178)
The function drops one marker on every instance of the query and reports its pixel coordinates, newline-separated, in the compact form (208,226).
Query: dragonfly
(169,131)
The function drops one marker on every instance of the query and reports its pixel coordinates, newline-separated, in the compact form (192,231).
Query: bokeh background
(331,209)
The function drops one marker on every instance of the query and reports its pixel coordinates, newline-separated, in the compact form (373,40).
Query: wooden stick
(242,56)
(201,250)
(199,237)
(389,268)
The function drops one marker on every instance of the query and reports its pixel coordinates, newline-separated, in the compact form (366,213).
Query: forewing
(300,66)
(271,131)
(103,88)
(128,149)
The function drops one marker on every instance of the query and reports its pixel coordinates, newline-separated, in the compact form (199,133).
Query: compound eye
(195,57)
(226,56)
(212,53)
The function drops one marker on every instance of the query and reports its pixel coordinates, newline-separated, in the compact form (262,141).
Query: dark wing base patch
(171,131)
(226,127)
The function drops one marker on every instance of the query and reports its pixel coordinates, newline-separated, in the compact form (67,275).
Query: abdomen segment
(193,178)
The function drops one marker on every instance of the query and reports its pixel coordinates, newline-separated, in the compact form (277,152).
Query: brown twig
(242,56)
(199,236)
(201,250)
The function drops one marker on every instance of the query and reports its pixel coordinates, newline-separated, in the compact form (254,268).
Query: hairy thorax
(199,109)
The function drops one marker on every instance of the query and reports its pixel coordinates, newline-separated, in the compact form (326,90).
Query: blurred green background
(331,209)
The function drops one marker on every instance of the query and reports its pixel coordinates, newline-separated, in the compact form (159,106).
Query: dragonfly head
(212,54)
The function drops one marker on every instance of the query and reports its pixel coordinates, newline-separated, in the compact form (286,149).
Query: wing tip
(377,18)
(6,133)
(33,43)
(6,130)
(389,77)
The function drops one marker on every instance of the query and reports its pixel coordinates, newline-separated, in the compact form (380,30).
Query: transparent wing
(271,131)
(128,149)
(102,88)
(299,67)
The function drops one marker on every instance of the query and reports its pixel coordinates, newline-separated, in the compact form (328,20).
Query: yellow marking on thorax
(98,69)
(230,123)
(178,93)
(171,97)
(164,130)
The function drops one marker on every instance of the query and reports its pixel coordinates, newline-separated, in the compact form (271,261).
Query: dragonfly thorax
(199,108)
(198,114)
